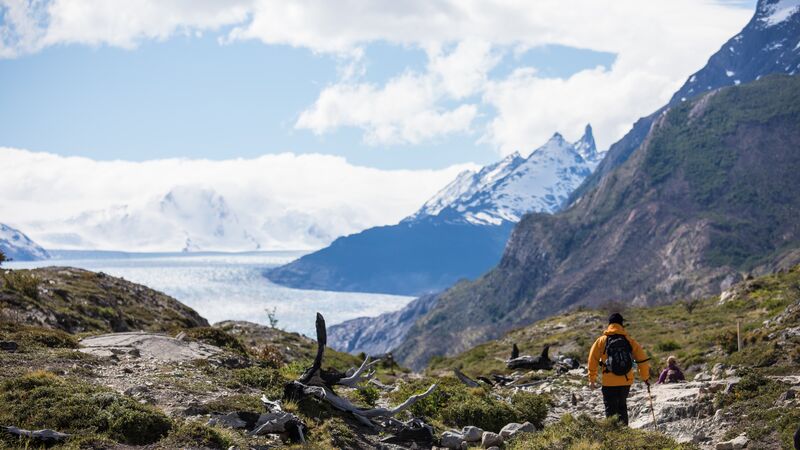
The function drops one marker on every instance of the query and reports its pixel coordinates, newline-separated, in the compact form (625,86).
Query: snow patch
(729,73)
(780,11)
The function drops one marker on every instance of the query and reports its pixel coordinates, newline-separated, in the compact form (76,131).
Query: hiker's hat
(616,318)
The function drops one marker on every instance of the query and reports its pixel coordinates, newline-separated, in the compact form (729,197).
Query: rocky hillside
(708,196)
(459,233)
(76,300)
(730,393)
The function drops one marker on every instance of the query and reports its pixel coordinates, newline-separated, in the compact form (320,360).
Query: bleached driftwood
(320,383)
(45,436)
(358,376)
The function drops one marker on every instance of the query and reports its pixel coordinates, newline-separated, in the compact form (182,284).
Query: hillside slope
(768,44)
(710,194)
(77,300)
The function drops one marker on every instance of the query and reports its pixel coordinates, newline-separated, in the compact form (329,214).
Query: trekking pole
(652,409)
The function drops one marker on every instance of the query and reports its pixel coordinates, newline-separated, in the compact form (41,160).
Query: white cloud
(657,43)
(281,201)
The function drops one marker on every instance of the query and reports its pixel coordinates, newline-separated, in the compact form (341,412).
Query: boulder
(490,439)
(472,434)
(737,443)
(451,439)
(513,428)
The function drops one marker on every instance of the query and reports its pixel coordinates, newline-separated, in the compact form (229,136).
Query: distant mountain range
(185,218)
(699,193)
(459,233)
(19,247)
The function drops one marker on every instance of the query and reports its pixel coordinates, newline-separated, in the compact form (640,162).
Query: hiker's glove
(647,382)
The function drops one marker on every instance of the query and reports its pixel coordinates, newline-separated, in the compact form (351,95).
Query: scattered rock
(451,439)
(472,434)
(490,439)
(513,428)
(788,395)
(8,346)
(736,443)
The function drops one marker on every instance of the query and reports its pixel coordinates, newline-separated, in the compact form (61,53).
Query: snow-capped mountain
(506,190)
(187,218)
(459,233)
(15,245)
(769,43)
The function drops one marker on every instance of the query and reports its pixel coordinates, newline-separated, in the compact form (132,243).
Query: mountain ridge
(670,222)
(458,234)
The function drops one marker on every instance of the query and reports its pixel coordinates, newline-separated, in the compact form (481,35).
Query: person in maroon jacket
(672,374)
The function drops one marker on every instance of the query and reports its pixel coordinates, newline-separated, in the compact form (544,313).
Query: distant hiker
(616,352)
(672,373)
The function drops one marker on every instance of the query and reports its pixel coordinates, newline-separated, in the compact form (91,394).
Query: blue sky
(183,93)
(192,97)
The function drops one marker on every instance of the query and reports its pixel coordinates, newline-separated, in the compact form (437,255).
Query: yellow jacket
(597,356)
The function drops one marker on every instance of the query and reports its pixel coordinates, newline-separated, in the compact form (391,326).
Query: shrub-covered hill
(697,331)
(754,390)
(77,300)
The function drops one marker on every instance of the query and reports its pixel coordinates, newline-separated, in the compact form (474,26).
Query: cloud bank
(282,201)
(658,44)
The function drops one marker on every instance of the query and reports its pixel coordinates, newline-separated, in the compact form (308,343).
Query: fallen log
(465,379)
(542,361)
(318,382)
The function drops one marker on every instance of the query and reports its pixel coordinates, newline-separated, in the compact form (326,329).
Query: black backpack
(619,355)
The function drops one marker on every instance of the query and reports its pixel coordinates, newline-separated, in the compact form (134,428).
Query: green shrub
(23,282)
(456,405)
(265,378)
(369,395)
(238,402)
(583,432)
(43,337)
(481,411)
(530,407)
(667,346)
(195,434)
(42,400)
(334,433)
(217,337)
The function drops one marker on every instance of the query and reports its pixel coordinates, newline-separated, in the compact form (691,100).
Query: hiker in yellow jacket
(616,352)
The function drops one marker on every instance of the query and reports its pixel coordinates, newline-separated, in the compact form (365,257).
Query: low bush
(271,381)
(42,400)
(369,395)
(583,432)
(192,434)
(43,337)
(334,433)
(667,346)
(530,407)
(217,337)
(23,282)
(455,405)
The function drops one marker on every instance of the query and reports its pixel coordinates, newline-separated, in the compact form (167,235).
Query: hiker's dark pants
(615,399)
